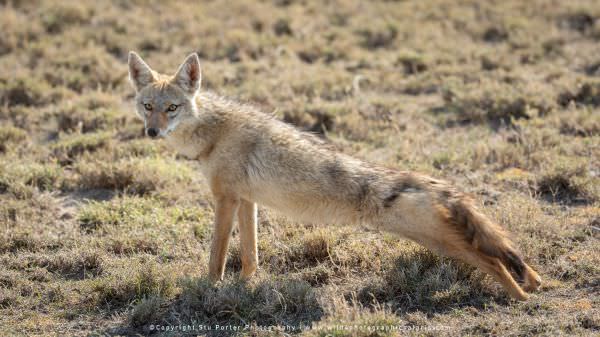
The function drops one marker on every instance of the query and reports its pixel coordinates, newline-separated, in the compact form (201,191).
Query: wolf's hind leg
(532,280)
(226,208)
(449,223)
(492,266)
(247,222)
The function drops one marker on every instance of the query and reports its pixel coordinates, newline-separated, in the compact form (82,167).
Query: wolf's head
(162,101)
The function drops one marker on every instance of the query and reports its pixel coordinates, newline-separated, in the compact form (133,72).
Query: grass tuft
(123,286)
(68,148)
(10,137)
(134,176)
(569,182)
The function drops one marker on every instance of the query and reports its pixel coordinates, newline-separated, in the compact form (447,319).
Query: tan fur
(250,157)
(247,220)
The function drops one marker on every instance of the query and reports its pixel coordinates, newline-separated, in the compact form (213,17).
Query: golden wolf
(249,157)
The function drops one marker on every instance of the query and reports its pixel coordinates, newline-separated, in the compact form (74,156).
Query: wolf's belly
(304,206)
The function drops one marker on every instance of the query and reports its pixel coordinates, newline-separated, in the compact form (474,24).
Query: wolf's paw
(532,280)
(247,273)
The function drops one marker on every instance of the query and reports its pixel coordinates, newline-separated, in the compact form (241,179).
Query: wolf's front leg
(247,222)
(226,208)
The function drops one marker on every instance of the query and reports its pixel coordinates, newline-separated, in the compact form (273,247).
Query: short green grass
(104,232)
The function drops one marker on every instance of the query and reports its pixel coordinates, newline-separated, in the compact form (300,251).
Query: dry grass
(104,232)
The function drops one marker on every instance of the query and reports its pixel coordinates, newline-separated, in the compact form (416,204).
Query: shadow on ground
(422,281)
(419,281)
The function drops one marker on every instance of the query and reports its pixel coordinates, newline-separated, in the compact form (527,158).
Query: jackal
(249,158)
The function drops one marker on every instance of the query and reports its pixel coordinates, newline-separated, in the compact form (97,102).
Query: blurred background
(103,231)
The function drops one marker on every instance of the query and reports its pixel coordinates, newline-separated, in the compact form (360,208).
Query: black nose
(152,132)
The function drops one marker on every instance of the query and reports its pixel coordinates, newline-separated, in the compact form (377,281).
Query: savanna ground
(106,232)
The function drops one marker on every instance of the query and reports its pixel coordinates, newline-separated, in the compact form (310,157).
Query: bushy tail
(490,240)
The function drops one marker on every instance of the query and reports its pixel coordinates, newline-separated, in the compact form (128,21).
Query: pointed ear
(140,73)
(188,76)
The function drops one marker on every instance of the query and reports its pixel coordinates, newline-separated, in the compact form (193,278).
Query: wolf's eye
(148,106)
(173,107)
